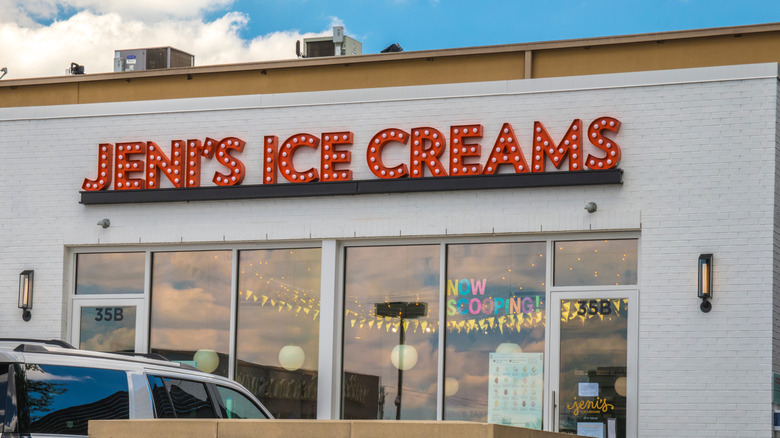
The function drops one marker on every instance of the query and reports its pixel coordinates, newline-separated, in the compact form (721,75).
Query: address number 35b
(109,314)
(594,307)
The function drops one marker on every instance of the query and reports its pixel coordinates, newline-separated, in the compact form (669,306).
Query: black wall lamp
(705,282)
(26,293)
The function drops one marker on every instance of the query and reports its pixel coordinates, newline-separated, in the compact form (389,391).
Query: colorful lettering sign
(473,302)
(138,165)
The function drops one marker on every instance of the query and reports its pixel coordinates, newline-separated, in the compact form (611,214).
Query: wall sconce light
(105,223)
(705,282)
(26,293)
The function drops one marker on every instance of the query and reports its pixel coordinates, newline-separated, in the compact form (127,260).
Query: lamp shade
(705,276)
(620,386)
(26,289)
(291,357)
(508,347)
(206,360)
(403,356)
(451,386)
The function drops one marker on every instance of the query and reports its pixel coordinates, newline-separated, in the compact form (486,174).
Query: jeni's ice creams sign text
(142,165)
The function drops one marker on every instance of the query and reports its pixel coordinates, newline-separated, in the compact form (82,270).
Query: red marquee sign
(138,165)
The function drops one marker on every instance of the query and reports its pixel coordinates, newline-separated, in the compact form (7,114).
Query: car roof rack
(56,342)
(145,355)
(40,346)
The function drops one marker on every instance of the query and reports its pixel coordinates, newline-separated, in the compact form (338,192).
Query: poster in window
(515,389)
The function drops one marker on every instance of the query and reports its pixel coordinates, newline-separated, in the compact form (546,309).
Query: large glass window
(108,328)
(494,299)
(495,333)
(110,273)
(190,308)
(391,332)
(596,262)
(62,399)
(278,329)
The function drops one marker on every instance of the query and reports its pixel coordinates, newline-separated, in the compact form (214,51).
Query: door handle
(554,413)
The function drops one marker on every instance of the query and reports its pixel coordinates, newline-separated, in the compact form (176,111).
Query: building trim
(658,37)
(397,94)
(346,188)
(578,57)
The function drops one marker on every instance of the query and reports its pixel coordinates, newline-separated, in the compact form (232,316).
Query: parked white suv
(48,388)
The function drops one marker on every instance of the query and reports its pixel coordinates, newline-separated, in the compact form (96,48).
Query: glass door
(110,325)
(593,363)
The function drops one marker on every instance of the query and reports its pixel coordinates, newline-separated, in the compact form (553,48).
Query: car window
(233,404)
(189,399)
(62,399)
(162,403)
(3,392)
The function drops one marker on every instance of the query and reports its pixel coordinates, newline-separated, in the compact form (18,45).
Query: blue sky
(57,32)
(427,24)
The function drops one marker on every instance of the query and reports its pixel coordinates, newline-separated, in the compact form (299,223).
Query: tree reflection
(57,399)
(40,393)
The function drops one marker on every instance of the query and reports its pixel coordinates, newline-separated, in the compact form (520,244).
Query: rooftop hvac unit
(151,59)
(337,45)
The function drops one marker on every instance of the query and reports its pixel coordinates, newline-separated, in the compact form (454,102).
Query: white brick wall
(699,161)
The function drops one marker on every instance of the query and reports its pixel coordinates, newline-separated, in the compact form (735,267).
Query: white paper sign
(591,429)
(587,389)
(611,428)
(515,390)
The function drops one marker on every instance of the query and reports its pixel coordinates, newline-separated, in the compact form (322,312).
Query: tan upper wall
(659,51)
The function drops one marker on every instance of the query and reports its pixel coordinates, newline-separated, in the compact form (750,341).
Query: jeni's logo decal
(595,406)
(140,164)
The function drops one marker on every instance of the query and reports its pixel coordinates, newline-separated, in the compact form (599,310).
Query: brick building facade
(621,342)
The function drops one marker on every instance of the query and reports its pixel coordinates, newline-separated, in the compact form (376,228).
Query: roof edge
(413,55)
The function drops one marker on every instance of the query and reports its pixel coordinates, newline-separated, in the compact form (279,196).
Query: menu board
(515,389)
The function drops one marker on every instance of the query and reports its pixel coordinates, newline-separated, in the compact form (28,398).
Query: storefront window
(110,328)
(495,333)
(110,273)
(593,366)
(391,332)
(190,308)
(596,262)
(278,329)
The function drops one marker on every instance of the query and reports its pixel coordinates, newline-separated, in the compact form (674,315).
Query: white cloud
(90,36)
(26,11)
(135,9)
(151,8)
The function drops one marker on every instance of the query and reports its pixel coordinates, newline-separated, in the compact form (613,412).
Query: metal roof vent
(151,59)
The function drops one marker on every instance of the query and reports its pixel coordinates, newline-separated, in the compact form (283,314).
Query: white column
(329,375)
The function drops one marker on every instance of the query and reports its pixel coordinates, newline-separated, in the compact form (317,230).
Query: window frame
(444,242)
(330,362)
(140,312)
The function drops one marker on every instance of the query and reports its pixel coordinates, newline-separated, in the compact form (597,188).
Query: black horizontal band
(366,187)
